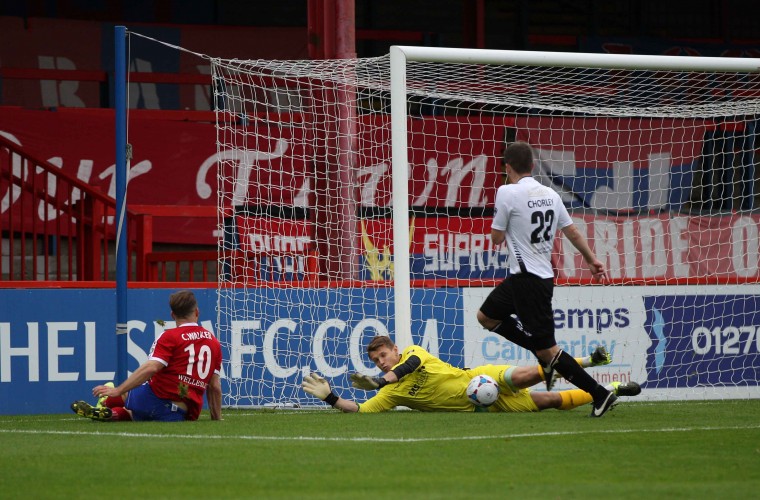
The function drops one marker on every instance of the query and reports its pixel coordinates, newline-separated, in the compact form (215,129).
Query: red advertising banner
(665,246)
(454,162)
(454,165)
(637,248)
(167,158)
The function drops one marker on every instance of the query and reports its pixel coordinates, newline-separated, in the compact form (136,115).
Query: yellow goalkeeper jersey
(433,386)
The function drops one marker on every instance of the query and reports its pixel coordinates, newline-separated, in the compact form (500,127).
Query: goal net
(355,198)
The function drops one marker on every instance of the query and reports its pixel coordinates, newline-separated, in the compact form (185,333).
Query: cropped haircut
(379,341)
(183,303)
(519,156)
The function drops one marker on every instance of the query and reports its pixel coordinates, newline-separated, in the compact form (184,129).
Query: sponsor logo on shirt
(422,377)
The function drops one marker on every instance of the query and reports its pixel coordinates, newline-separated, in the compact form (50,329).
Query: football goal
(355,199)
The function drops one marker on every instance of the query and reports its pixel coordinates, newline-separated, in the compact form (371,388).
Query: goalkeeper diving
(418,380)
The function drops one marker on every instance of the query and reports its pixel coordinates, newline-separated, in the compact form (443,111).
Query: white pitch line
(370,439)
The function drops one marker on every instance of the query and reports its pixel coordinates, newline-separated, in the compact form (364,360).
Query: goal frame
(401,54)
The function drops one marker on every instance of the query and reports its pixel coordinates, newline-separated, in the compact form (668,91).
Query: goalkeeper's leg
(520,377)
(573,398)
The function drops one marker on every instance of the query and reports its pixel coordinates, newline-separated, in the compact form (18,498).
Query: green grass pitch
(700,449)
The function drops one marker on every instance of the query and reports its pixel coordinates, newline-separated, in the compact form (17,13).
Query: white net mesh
(657,167)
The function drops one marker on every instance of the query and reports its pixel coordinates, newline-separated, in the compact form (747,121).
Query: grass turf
(705,449)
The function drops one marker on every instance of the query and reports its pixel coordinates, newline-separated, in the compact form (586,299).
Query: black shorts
(529,297)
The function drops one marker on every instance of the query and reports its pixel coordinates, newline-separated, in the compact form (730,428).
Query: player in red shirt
(183,364)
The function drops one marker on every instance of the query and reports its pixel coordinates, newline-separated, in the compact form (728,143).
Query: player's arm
(214,397)
(498,236)
(500,217)
(369,383)
(138,377)
(318,387)
(575,237)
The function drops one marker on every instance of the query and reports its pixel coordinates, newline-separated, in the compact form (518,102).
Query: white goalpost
(355,199)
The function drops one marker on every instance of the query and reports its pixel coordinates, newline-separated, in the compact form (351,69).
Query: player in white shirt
(527,215)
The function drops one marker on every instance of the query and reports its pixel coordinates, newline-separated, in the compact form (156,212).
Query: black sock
(576,375)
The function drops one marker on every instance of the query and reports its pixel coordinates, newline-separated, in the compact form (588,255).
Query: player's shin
(576,375)
(574,398)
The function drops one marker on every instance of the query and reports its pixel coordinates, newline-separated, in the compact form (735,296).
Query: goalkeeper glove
(366,382)
(319,387)
(316,385)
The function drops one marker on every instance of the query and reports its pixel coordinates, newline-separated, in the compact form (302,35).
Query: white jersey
(530,213)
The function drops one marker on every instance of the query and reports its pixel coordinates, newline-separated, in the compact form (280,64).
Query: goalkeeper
(420,381)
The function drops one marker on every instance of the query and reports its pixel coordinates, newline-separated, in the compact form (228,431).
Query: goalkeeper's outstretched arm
(318,387)
(370,383)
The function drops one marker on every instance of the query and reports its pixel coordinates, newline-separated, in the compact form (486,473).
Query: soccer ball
(482,391)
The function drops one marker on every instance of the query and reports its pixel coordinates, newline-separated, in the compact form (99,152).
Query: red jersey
(191,355)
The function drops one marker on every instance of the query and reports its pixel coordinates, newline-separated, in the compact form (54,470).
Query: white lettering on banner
(47,212)
(445,251)
(551,163)
(245,161)
(619,196)
(430,337)
(744,247)
(325,332)
(301,198)
(658,247)
(729,340)
(202,92)
(59,93)
(278,243)
(679,246)
(654,258)
(133,349)
(606,233)
(144,90)
(374,174)
(269,347)
(431,169)
(319,349)
(54,351)
(136,170)
(19,169)
(237,348)
(294,247)
(90,363)
(658,176)
(83,174)
(31,351)
(457,170)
